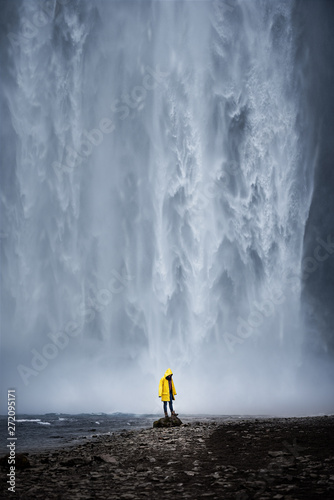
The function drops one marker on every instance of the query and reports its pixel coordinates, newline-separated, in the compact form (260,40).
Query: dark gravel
(281,459)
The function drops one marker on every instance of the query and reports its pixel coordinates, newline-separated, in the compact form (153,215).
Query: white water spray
(158,209)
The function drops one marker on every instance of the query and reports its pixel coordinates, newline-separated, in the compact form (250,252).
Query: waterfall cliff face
(158,181)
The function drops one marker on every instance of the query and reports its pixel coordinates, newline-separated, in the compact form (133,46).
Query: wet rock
(167,422)
(241,495)
(277,453)
(141,467)
(72,461)
(21,461)
(106,458)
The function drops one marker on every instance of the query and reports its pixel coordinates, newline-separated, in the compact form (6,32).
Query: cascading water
(154,201)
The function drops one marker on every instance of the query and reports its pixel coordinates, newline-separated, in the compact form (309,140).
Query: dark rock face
(167,422)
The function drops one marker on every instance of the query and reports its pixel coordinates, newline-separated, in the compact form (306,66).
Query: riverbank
(275,458)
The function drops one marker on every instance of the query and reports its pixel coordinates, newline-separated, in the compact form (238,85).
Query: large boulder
(167,422)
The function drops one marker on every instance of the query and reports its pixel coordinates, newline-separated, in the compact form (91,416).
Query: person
(167,392)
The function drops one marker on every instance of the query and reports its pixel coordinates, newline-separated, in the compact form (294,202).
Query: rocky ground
(277,459)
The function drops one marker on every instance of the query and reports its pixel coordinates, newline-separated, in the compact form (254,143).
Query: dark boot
(174,414)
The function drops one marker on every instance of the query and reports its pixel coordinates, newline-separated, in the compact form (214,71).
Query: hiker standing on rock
(167,392)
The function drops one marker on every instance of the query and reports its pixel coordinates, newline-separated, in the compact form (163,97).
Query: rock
(241,495)
(72,461)
(33,490)
(106,458)
(277,453)
(167,422)
(141,467)
(21,461)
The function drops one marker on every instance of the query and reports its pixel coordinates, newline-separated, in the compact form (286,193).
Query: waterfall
(155,197)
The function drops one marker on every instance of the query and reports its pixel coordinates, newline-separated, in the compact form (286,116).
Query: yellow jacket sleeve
(160,387)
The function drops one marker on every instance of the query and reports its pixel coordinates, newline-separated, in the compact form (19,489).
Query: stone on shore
(167,422)
(21,461)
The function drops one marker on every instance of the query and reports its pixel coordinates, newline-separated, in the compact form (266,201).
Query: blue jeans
(170,402)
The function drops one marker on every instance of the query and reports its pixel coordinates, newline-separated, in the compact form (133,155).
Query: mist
(166,201)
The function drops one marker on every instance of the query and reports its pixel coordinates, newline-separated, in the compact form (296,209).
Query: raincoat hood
(168,372)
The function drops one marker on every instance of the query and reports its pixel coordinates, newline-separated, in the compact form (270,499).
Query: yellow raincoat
(164,387)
